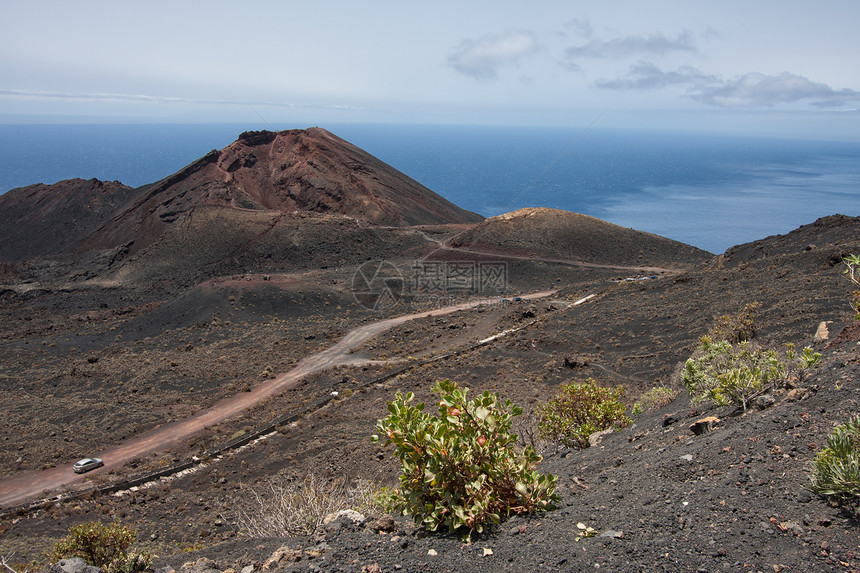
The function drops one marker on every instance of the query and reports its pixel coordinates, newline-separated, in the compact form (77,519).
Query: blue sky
(768,67)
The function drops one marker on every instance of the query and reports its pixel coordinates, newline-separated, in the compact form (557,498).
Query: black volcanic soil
(125,359)
(659,497)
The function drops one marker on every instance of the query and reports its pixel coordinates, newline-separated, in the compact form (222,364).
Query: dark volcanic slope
(298,170)
(826,232)
(52,220)
(733,499)
(565,235)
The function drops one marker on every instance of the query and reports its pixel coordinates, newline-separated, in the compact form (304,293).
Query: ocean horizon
(710,191)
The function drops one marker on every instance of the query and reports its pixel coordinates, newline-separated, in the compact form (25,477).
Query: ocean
(711,191)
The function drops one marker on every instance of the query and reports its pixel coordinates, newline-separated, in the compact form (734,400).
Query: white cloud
(482,58)
(752,89)
(655,44)
(755,89)
(158,99)
(646,76)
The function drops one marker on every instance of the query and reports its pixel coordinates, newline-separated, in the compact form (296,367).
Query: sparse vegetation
(104,546)
(4,562)
(579,410)
(836,470)
(726,373)
(284,507)
(657,496)
(729,368)
(461,468)
(653,399)
(736,328)
(852,261)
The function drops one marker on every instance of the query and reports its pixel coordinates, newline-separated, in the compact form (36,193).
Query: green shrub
(836,470)
(104,546)
(461,468)
(654,399)
(579,410)
(726,373)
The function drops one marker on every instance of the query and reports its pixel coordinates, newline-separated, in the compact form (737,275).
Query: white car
(87,464)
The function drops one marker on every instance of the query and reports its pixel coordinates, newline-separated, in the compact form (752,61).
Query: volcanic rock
(73,565)
(704,425)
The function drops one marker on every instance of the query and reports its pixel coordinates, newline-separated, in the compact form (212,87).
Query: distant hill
(572,236)
(53,220)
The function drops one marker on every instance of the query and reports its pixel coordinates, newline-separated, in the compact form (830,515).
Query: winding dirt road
(29,485)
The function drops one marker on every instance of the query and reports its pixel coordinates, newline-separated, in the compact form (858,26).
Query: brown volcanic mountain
(299,170)
(53,220)
(552,233)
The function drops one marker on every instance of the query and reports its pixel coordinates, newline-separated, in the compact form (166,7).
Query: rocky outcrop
(73,565)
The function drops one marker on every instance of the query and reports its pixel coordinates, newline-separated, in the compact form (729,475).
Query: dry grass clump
(286,507)
(654,399)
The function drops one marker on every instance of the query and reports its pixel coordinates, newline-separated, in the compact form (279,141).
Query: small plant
(585,530)
(836,470)
(461,467)
(724,373)
(104,546)
(579,410)
(654,399)
(852,261)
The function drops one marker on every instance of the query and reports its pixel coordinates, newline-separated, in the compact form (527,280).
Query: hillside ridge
(561,234)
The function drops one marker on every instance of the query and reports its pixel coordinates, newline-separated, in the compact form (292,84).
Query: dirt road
(29,485)
(444,245)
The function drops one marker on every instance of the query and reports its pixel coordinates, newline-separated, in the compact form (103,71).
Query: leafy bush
(654,399)
(724,373)
(836,470)
(104,546)
(581,409)
(461,468)
(284,507)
